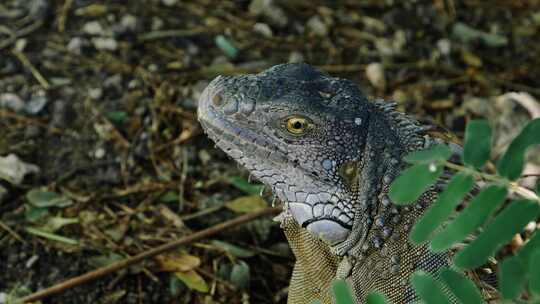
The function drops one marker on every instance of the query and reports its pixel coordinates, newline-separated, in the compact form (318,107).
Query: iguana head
(299,131)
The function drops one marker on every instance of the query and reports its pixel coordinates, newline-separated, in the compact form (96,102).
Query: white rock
(105,44)
(93,28)
(13,170)
(11,101)
(375,75)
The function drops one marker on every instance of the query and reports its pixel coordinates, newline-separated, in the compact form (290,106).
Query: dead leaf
(193,280)
(178,262)
(246,204)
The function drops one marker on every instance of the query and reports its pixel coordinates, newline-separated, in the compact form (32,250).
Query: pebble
(375,75)
(95,93)
(36,103)
(263,29)
(99,153)
(93,28)
(75,45)
(296,57)
(11,101)
(317,26)
(105,44)
(128,23)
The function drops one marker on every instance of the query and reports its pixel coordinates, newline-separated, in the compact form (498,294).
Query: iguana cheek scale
(330,155)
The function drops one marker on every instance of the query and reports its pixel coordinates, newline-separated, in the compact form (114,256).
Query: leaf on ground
(56,222)
(512,276)
(342,292)
(477,147)
(179,261)
(428,289)
(34,214)
(51,236)
(509,222)
(445,204)
(469,219)
(45,199)
(169,197)
(460,286)
(234,250)
(438,153)
(193,280)
(240,275)
(413,182)
(512,162)
(534,273)
(247,204)
(244,185)
(375,298)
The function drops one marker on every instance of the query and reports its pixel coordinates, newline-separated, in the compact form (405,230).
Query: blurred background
(102,157)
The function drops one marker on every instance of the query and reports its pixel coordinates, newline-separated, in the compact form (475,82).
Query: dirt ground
(98,99)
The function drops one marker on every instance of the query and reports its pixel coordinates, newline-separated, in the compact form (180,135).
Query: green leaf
(534,273)
(244,185)
(428,289)
(34,214)
(524,254)
(512,162)
(474,215)
(509,222)
(438,153)
(464,290)
(375,298)
(51,236)
(477,148)
(452,195)
(240,275)
(193,280)
(116,116)
(234,250)
(511,277)
(342,292)
(413,182)
(169,197)
(538,187)
(45,199)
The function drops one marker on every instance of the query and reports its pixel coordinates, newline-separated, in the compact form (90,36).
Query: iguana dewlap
(330,155)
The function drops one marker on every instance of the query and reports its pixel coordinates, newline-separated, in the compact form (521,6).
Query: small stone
(375,75)
(445,46)
(99,153)
(11,101)
(296,57)
(13,170)
(317,26)
(263,29)
(93,28)
(358,120)
(36,103)
(105,44)
(75,45)
(95,93)
(128,23)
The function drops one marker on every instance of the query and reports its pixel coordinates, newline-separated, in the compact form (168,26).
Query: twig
(20,33)
(513,186)
(25,62)
(12,232)
(100,272)
(63,15)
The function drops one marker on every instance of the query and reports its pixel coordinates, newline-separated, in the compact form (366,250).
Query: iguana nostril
(217,100)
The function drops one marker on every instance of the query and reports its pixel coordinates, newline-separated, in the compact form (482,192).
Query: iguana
(330,155)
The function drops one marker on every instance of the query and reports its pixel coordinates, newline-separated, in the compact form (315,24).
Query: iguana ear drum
(349,174)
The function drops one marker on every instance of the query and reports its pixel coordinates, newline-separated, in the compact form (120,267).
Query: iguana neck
(391,135)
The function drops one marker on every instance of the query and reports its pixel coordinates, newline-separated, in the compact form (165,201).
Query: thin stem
(513,186)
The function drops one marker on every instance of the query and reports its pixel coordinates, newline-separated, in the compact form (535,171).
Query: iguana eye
(297,125)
